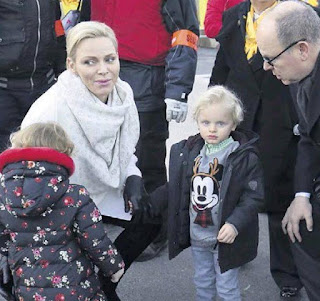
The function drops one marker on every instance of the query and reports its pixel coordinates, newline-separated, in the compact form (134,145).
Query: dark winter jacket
(30,51)
(152,84)
(241,197)
(56,232)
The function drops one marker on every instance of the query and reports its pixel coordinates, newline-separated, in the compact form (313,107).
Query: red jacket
(139,28)
(213,18)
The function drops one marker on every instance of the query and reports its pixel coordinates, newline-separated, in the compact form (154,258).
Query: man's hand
(227,234)
(176,110)
(116,276)
(299,209)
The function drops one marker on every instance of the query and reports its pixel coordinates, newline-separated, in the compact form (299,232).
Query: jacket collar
(244,137)
(242,17)
(313,102)
(36,154)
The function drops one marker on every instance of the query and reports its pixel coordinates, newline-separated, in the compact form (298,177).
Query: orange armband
(185,37)
(58,28)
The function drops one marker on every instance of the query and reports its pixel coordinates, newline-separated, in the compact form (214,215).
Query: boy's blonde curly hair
(220,95)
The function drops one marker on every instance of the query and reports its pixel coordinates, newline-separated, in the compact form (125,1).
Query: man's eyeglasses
(269,61)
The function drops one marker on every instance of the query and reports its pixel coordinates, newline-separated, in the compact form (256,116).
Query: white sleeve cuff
(132,167)
(304,194)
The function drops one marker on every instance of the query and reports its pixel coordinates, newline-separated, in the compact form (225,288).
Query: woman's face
(97,64)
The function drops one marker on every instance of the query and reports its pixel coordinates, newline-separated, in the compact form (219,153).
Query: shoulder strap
(79,5)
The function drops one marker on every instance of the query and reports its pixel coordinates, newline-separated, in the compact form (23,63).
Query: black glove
(132,195)
(4,270)
(5,280)
(147,209)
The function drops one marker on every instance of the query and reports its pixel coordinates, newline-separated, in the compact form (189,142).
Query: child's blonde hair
(221,95)
(43,134)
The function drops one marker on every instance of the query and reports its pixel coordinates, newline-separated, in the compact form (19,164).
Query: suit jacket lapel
(232,37)
(256,63)
(313,106)
(242,18)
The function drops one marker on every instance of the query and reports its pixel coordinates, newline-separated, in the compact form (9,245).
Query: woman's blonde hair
(86,30)
(43,135)
(220,95)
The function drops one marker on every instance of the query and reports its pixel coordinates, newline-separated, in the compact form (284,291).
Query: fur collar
(36,154)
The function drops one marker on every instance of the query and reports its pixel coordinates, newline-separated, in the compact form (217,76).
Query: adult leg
(151,153)
(307,255)
(278,154)
(134,239)
(130,243)
(151,148)
(9,113)
(27,98)
(227,283)
(282,265)
(14,104)
(309,271)
(204,273)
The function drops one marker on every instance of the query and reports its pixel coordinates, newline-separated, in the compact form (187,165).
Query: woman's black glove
(132,194)
(137,200)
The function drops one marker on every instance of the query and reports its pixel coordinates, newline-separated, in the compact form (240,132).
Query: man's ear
(304,50)
(71,65)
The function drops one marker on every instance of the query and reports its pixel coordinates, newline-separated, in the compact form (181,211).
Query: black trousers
(309,271)
(151,148)
(14,105)
(307,255)
(131,242)
(151,154)
(282,264)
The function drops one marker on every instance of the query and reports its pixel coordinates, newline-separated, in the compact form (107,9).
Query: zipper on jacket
(37,47)
(228,169)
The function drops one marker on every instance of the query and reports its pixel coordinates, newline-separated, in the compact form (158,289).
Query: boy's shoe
(152,251)
(288,292)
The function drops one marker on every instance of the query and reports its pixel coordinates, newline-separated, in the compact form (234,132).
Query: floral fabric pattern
(55,235)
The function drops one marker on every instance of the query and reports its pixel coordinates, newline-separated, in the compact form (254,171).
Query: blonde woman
(97,110)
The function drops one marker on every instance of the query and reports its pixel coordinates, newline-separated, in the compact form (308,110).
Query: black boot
(109,288)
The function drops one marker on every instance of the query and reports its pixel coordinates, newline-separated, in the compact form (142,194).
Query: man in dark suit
(269,112)
(289,41)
